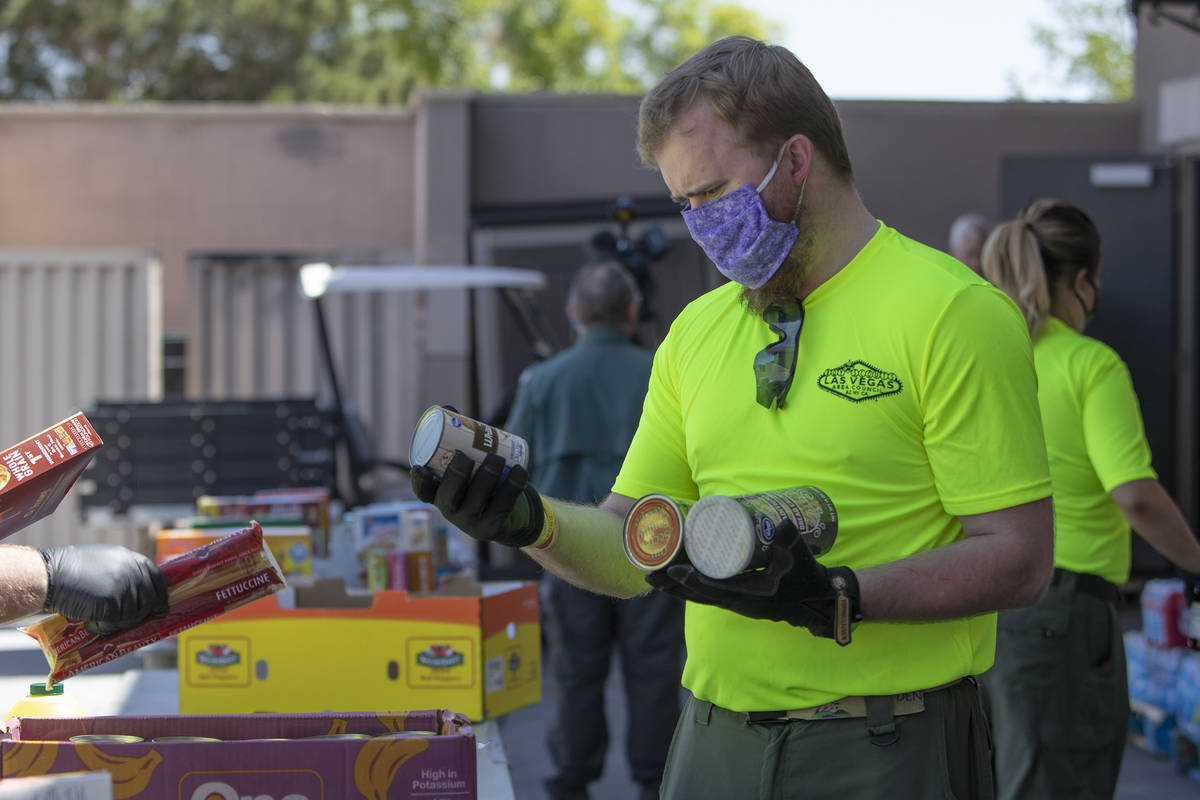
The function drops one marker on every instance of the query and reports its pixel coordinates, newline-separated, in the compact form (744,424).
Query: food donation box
(378,756)
(472,647)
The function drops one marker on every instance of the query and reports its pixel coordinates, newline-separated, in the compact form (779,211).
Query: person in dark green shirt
(578,411)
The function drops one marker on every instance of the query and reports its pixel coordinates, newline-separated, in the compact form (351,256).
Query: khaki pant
(1059,699)
(942,753)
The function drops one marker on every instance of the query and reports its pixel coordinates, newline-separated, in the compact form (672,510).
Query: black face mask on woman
(1088,313)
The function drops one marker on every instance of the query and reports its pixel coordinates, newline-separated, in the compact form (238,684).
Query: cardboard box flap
(466,586)
(249,726)
(327,598)
(328,593)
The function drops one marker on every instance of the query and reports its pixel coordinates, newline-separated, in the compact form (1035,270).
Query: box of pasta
(36,474)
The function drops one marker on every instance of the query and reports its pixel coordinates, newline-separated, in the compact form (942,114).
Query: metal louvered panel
(75,327)
(253,335)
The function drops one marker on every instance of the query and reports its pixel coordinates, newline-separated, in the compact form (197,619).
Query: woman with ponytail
(1060,700)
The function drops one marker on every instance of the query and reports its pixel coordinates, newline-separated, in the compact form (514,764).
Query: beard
(784,286)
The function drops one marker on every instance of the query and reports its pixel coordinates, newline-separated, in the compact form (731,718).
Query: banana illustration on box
(130,774)
(30,758)
(378,762)
(393,722)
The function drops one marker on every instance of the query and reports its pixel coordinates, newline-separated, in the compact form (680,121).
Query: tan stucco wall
(182,179)
(917,165)
(190,178)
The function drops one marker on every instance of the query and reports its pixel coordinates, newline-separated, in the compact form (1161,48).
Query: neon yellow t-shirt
(1095,442)
(913,401)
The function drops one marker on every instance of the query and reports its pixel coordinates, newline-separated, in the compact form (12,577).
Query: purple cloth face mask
(735,231)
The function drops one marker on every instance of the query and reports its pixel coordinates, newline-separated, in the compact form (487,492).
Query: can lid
(40,690)
(718,536)
(426,437)
(653,532)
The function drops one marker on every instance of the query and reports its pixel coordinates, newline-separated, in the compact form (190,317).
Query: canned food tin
(404,734)
(110,738)
(653,533)
(727,535)
(184,739)
(440,432)
(339,736)
(377,566)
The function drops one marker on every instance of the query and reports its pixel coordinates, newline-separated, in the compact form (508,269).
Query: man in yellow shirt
(845,356)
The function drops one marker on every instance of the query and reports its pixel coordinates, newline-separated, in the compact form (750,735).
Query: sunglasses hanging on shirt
(775,364)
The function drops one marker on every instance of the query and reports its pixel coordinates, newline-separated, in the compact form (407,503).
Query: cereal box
(36,474)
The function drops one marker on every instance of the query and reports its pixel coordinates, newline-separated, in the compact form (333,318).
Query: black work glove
(484,503)
(106,586)
(794,588)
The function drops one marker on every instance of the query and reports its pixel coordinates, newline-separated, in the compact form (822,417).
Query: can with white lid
(724,536)
(653,534)
(440,432)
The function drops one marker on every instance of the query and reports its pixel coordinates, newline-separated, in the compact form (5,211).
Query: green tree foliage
(1094,39)
(347,51)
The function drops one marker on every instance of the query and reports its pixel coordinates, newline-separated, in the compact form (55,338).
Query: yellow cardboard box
(477,651)
(291,545)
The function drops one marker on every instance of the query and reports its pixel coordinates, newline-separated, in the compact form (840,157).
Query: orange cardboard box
(36,474)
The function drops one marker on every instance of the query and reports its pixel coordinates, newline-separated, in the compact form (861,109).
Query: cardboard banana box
(476,649)
(393,755)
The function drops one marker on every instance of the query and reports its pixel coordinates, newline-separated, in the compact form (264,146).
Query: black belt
(1088,584)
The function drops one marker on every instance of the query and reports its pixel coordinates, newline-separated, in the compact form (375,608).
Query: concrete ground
(1143,776)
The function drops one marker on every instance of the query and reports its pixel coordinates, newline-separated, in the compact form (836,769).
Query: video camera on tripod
(635,256)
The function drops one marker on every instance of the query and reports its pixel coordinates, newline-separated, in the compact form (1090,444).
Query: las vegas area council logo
(857,381)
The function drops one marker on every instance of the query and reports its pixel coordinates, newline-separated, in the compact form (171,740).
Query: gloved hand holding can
(475,474)
(793,587)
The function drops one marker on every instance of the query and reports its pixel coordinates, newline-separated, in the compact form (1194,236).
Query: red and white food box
(36,474)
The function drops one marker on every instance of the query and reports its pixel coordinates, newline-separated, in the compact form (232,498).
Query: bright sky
(921,49)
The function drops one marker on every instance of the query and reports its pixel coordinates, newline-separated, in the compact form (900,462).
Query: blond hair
(1028,257)
(762,90)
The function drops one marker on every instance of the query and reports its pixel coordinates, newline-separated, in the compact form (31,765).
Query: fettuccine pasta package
(201,584)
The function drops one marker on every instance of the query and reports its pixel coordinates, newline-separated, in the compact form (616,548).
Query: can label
(728,535)
(807,507)
(653,532)
(440,432)
(378,569)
